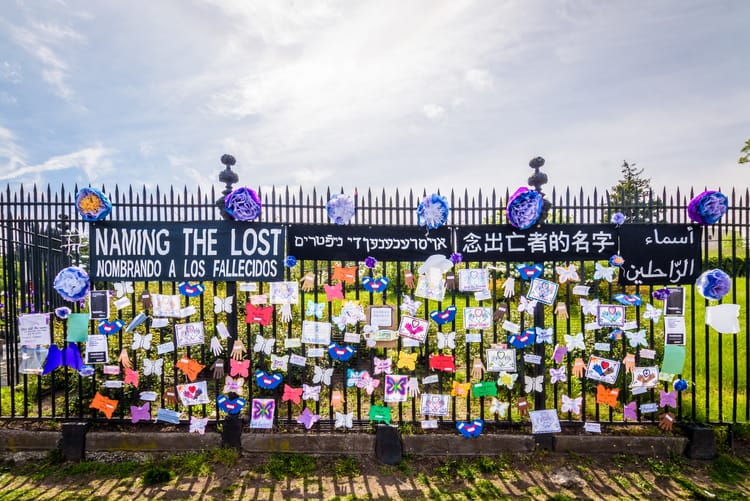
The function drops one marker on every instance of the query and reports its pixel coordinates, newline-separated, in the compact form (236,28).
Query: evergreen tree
(632,195)
(745,158)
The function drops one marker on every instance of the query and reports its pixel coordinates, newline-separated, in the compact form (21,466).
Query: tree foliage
(633,196)
(745,158)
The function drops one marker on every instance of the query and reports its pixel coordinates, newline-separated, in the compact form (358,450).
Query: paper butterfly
(446,340)
(258,314)
(651,313)
(534,383)
(339,321)
(108,328)
(558,375)
(567,274)
(347,275)
(470,429)
(311,392)
(407,360)
(574,342)
(239,367)
(368,383)
(141,341)
(628,299)
(344,420)
(131,377)
(410,305)
(153,366)
(314,309)
(308,418)
(263,345)
(529,271)
(507,379)
(571,404)
(267,381)
(628,411)
(142,413)
(375,285)
(499,408)
(460,389)
(234,385)
(526,305)
(668,399)
(604,272)
(381,366)
(352,377)
(223,305)
(105,404)
(340,353)
(198,425)
(189,290)
(606,395)
(321,375)
(261,410)
(589,307)
(333,291)
(122,288)
(544,335)
(279,363)
(292,394)
(637,338)
(445,316)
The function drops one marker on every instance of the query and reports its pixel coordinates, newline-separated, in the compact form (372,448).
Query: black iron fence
(41,233)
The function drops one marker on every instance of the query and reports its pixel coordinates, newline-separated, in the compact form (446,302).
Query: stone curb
(351,444)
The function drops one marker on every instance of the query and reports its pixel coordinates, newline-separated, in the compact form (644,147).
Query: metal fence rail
(40,233)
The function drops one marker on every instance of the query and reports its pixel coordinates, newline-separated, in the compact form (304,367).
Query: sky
(424,94)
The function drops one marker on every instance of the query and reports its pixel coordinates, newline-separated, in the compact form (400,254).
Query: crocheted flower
(92,204)
(456,257)
(616,260)
(72,283)
(524,208)
(713,284)
(708,207)
(371,262)
(340,208)
(661,294)
(290,262)
(243,204)
(680,385)
(433,211)
(618,218)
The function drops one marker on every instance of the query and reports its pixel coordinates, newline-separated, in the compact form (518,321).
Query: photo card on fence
(478,317)
(283,293)
(603,369)
(193,393)
(675,302)
(433,404)
(34,329)
(543,291)
(501,359)
(413,328)
(262,412)
(382,316)
(610,315)
(99,304)
(189,334)
(473,279)
(546,421)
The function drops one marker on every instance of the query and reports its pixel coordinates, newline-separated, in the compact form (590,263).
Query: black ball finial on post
(228,177)
(537,179)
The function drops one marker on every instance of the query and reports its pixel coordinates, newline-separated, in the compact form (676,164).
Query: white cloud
(479,79)
(94,162)
(10,72)
(433,111)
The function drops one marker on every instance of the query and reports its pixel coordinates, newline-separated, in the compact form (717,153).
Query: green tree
(745,158)
(632,195)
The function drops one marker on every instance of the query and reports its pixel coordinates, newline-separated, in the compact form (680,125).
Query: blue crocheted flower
(524,208)
(713,284)
(340,208)
(243,204)
(433,211)
(72,283)
(708,207)
(92,204)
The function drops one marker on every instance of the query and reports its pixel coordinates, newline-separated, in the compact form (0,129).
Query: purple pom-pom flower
(72,283)
(290,262)
(340,208)
(661,294)
(92,204)
(456,257)
(243,204)
(371,262)
(618,218)
(680,385)
(524,208)
(708,207)
(433,211)
(713,284)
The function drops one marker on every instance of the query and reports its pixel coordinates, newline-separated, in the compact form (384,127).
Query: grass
(281,466)
(346,467)
(729,469)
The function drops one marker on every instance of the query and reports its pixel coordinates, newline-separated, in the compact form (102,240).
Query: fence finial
(228,177)
(537,179)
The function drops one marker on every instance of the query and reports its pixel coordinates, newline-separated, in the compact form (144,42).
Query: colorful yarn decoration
(72,283)
(433,211)
(340,208)
(524,208)
(713,284)
(243,204)
(708,207)
(92,204)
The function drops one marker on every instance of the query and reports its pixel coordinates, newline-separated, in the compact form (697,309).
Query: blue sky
(420,94)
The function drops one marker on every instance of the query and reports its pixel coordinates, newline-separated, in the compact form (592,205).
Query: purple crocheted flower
(661,294)
(290,262)
(243,204)
(680,385)
(371,262)
(708,207)
(713,284)
(618,218)
(340,208)
(456,257)
(92,204)
(72,283)
(524,208)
